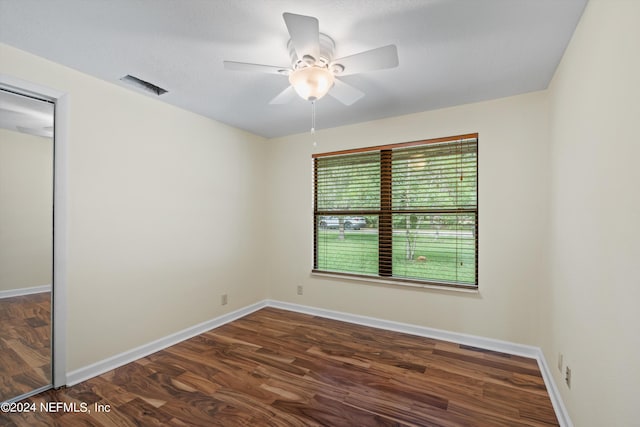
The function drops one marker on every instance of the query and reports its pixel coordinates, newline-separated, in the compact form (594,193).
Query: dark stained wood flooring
(25,344)
(280,368)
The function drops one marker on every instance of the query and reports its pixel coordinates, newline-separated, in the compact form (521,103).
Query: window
(404,212)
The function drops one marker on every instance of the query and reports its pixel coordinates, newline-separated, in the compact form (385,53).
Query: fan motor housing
(327,46)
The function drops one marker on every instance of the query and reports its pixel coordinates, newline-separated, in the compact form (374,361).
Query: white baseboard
(24,291)
(422,331)
(554,393)
(118,360)
(113,362)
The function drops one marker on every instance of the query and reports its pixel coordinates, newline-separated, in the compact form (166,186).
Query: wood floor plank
(279,368)
(25,344)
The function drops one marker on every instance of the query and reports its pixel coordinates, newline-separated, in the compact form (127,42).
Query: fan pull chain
(313,123)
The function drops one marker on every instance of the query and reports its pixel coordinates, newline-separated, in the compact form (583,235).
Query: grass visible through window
(435,256)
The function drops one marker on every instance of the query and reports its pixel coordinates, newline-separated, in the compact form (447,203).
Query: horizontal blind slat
(348,182)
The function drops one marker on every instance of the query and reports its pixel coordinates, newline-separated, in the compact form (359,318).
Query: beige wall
(513,214)
(163,218)
(26,210)
(166,213)
(591,304)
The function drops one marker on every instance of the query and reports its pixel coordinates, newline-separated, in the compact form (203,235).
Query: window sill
(395,283)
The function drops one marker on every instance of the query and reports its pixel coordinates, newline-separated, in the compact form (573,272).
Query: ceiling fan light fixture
(311,83)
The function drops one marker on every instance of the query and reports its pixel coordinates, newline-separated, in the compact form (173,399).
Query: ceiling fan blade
(374,59)
(305,34)
(285,96)
(245,66)
(345,93)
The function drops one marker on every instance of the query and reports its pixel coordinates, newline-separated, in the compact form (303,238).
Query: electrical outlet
(300,289)
(224,299)
(560,362)
(567,377)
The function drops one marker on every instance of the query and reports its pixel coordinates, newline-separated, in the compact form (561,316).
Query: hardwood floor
(279,368)
(25,344)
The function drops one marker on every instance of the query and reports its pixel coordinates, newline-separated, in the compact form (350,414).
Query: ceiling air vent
(141,84)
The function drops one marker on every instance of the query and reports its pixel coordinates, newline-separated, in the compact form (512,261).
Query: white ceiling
(451,52)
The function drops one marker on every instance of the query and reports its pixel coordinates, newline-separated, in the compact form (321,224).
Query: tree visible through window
(405,212)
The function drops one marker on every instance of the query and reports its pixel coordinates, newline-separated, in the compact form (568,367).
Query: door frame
(60,214)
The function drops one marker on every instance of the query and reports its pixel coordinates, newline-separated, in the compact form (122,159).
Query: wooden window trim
(394,146)
(385,228)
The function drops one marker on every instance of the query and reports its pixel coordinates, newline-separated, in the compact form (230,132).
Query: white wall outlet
(560,357)
(567,377)
(224,299)
(300,290)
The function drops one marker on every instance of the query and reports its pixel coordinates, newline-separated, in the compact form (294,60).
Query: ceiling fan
(314,72)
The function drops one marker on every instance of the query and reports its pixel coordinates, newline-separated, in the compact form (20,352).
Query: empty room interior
(319,212)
